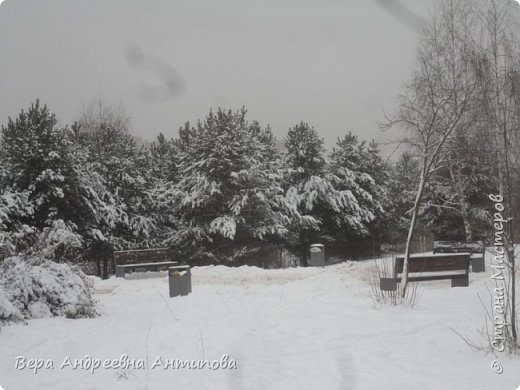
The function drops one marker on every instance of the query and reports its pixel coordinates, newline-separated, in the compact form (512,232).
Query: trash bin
(179,278)
(317,255)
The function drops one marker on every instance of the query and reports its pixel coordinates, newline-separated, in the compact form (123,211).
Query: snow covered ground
(286,329)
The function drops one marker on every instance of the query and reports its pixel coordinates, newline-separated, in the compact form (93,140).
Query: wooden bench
(476,249)
(142,259)
(453,266)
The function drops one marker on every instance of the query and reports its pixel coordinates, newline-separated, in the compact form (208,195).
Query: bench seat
(413,275)
(438,266)
(151,265)
(145,259)
(477,249)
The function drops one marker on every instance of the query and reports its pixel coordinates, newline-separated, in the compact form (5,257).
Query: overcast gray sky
(333,63)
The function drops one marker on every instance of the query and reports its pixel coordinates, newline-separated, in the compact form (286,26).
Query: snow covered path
(286,329)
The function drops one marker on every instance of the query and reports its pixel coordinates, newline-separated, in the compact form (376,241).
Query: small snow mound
(246,275)
(220,274)
(39,310)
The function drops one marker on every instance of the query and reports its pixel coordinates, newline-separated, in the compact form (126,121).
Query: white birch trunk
(404,280)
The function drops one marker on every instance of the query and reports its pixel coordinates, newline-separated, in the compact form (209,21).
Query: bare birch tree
(97,113)
(437,98)
(499,83)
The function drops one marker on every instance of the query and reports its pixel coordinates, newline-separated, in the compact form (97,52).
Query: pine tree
(227,202)
(164,159)
(361,171)
(14,207)
(305,151)
(124,172)
(37,157)
(323,202)
(48,175)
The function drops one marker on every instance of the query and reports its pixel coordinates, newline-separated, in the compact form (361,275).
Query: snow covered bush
(8,313)
(58,241)
(32,290)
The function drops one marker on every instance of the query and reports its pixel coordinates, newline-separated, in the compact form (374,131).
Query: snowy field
(286,329)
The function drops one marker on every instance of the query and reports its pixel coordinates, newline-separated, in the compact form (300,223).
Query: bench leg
(460,282)
(478,264)
(388,284)
(120,272)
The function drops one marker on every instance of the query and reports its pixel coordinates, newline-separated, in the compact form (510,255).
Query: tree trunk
(468,234)
(304,260)
(404,280)
(511,246)
(511,255)
(105,268)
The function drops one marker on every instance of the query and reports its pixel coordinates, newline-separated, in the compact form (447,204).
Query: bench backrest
(435,263)
(457,247)
(143,256)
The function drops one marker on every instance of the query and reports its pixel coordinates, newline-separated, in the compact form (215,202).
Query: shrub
(383,269)
(32,290)
(8,313)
